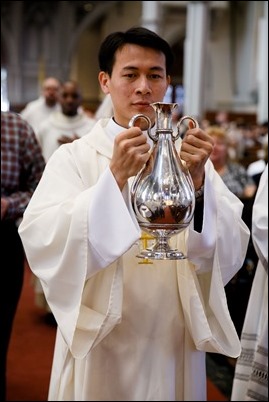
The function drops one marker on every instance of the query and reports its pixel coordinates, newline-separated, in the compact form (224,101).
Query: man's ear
(103,81)
(168,80)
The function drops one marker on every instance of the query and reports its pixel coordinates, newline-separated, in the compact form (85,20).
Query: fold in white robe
(251,372)
(128,331)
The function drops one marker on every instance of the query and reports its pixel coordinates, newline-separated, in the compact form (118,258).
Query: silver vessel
(162,194)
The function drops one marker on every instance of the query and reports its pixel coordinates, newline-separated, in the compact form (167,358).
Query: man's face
(219,153)
(51,91)
(70,99)
(137,80)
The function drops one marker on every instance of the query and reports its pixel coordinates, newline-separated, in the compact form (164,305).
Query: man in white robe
(38,110)
(131,331)
(251,372)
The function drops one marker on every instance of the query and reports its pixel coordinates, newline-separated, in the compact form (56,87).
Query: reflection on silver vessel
(163,195)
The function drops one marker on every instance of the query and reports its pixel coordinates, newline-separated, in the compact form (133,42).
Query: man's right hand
(130,153)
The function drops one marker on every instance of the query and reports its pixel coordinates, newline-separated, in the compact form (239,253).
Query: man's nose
(143,86)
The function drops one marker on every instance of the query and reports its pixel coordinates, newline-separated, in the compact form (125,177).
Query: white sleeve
(115,226)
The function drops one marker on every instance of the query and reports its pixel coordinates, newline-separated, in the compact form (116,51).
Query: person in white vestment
(67,124)
(129,331)
(40,109)
(251,371)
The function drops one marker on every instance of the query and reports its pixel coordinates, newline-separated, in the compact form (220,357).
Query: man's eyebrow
(154,68)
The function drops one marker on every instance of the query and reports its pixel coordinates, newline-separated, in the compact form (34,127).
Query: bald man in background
(38,110)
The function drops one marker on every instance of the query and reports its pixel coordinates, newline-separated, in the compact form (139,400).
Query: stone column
(151,15)
(262,70)
(194,60)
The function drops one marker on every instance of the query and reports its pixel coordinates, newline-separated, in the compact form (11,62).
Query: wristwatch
(199,193)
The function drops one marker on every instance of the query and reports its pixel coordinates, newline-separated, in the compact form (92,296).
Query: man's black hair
(138,36)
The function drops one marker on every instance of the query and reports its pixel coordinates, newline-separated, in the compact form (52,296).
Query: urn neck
(164,113)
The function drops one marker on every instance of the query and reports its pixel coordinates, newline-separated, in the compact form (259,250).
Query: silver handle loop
(141,116)
(181,120)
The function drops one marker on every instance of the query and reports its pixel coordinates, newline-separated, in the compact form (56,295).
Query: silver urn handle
(142,116)
(181,121)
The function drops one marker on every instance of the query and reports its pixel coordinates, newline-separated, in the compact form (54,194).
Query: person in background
(126,331)
(251,371)
(67,124)
(39,109)
(256,168)
(105,109)
(232,173)
(22,165)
